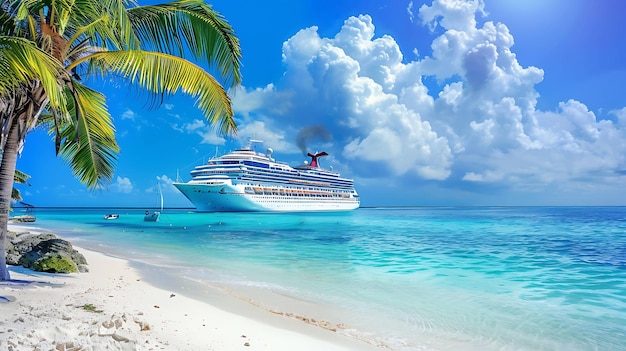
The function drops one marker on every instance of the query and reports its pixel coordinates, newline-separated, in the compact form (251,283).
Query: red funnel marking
(314,157)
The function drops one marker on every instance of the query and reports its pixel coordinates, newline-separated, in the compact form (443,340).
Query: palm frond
(21,62)
(20,177)
(102,23)
(190,26)
(88,144)
(16,195)
(45,119)
(120,21)
(7,24)
(175,74)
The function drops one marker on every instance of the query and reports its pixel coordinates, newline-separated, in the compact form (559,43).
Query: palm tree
(49,47)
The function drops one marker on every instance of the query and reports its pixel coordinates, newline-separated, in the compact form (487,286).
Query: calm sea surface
(471,278)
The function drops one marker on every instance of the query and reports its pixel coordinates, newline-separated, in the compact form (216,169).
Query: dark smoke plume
(306,134)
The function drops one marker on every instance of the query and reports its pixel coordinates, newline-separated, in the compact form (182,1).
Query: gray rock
(12,255)
(51,246)
(25,249)
(19,244)
(83,268)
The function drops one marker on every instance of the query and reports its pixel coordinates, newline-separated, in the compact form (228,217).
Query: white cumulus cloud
(128,114)
(204,130)
(123,185)
(479,124)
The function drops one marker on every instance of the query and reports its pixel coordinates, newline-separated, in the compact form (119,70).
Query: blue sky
(444,102)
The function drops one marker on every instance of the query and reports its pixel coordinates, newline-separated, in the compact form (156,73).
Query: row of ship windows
(296,192)
(332,183)
(274,199)
(296,189)
(302,176)
(261,165)
(280,173)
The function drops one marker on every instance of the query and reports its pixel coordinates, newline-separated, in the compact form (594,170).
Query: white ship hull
(228,198)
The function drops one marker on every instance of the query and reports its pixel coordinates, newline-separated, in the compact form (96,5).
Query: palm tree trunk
(25,106)
(7,172)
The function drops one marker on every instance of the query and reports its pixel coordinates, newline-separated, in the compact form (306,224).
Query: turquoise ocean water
(471,278)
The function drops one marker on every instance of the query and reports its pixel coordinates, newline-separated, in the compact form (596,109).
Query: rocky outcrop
(19,244)
(44,252)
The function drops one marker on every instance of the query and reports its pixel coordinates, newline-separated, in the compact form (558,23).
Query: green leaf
(198,29)
(22,62)
(88,143)
(175,74)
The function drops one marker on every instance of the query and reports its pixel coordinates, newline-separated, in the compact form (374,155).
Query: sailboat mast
(161,193)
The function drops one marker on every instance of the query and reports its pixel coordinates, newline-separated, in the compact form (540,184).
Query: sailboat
(154,216)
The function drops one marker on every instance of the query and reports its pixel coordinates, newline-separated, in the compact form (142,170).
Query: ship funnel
(314,162)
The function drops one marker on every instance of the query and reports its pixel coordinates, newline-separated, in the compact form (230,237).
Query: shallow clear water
(472,278)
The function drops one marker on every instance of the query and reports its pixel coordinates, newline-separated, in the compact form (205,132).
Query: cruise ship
(247,180)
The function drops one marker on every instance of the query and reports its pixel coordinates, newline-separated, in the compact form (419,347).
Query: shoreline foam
(115,307)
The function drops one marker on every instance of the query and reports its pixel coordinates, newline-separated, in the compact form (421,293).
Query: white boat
(246,180)
(111,216)
(23,219)
(151,216)
(154,215)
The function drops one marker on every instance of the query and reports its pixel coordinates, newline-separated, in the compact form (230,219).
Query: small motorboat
(111,216)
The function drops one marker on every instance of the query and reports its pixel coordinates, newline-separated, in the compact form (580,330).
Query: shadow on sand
(25,284)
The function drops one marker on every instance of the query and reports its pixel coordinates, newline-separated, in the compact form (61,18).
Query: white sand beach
(112,308)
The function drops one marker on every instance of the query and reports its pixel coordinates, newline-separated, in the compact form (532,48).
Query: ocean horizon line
(361,207)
